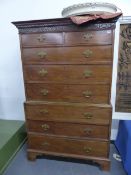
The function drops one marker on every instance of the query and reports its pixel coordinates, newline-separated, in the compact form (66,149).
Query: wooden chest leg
(31,156)
(104,165)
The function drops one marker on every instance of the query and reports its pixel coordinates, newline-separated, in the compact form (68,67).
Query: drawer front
(68,146)
(68,112)
(68,93)
(41,39)
(90,37)
(68,55)
(68,129)
(69,74)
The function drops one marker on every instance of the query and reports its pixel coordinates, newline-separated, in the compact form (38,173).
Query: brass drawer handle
(45,144)
(42,54)
(87,36)
(44,111)
(87,73)
(41,38)
(87,94)
(88,115)
(43,72)
(44,92)
(88,131)
(87,149)
(87,53)
(45,127)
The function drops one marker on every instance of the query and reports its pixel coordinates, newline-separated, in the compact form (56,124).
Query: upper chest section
(62,32)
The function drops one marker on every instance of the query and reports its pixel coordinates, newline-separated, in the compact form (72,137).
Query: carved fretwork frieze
(61,25)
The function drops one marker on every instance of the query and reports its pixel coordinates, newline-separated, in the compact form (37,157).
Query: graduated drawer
(68,55)
(68,129)
(69,93)
(41,39)
(89,37)
(69,74)
(68,146)
(69,112)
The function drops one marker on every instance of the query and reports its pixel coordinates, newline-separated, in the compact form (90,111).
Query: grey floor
(44,166)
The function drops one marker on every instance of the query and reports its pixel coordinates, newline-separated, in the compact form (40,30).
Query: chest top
(61,25)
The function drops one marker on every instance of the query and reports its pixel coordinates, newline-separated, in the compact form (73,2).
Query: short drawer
(68,55)
(68,93)
(43,39)
(69,74)
(69,112)
(68,129)
(88,38)
(68,146)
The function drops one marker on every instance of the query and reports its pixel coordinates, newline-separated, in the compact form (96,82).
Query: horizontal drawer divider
(70,122)
(55,82)
(96,63)
(68,103)
(65,45)
(71,138)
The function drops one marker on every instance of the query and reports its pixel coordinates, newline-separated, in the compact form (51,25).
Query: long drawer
(69,112)
(68,93)
(68,146)
(68,129)
(68,55)
(69,74)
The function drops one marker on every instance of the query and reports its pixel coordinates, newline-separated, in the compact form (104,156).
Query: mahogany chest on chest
(67,75)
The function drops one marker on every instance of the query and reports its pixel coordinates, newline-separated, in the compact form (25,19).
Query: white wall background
(11,78)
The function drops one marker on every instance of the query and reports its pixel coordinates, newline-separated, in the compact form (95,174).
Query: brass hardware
(42,54)
(44,111)
(87,93)
(45,127)
(42,72)
(88,115)
(41,38)
(87,73)
(44,92)
(45,144)
(87,149)
(88,131)
(87,36)
(87,53)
